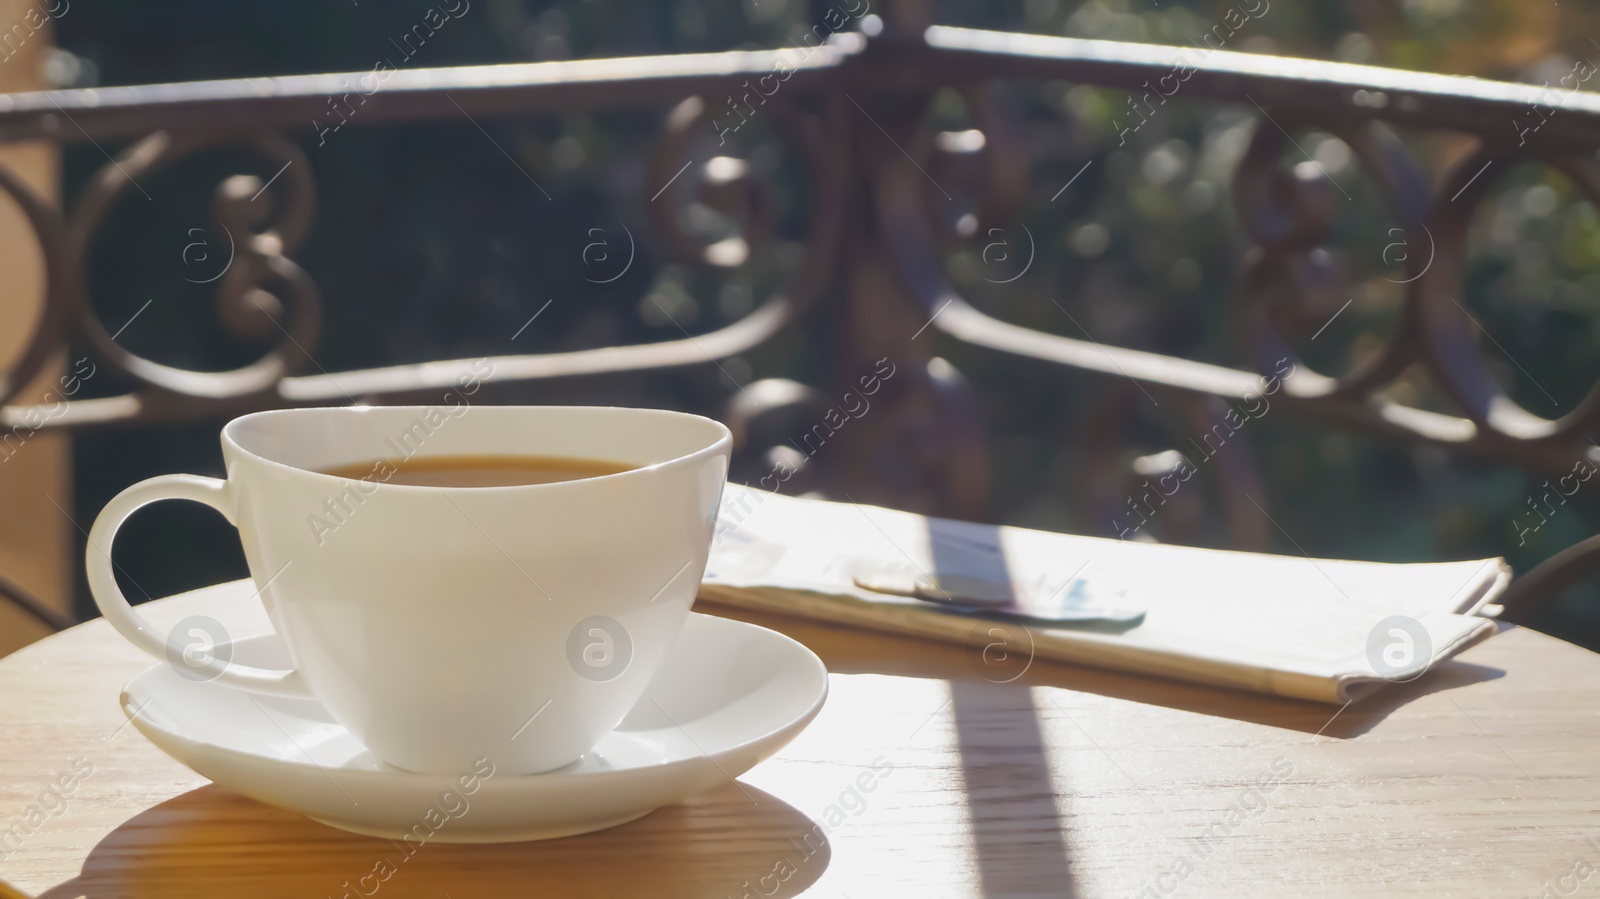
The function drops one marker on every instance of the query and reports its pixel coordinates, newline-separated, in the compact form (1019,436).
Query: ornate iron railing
(854,106)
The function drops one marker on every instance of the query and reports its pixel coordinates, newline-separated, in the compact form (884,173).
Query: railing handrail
(947,53)
(399,95)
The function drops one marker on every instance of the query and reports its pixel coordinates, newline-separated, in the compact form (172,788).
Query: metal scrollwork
(1287,212)
(1157,494)
(61,289)
(726,184)
(1448,331)
(985,168)
(263,224)
(723,183)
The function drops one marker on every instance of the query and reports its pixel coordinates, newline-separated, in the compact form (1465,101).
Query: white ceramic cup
(442,625)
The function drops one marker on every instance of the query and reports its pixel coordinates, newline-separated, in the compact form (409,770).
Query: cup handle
(108,596)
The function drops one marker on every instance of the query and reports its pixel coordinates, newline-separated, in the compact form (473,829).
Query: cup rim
(723,441)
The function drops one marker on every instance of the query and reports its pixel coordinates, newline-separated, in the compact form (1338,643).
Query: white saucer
(730,695)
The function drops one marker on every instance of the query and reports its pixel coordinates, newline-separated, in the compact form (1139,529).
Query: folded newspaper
(1320,629)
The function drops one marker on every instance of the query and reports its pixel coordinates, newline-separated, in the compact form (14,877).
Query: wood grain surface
(928,777)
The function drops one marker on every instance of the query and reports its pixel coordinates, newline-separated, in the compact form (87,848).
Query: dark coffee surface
(478,470)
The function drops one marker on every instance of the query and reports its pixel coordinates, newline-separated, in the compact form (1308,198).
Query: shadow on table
(1018,830)
(1020,810)
(849,650)
(735,842)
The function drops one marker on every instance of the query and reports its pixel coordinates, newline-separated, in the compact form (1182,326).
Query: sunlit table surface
(929,776)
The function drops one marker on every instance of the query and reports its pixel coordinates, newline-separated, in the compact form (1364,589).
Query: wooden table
(1481,779)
